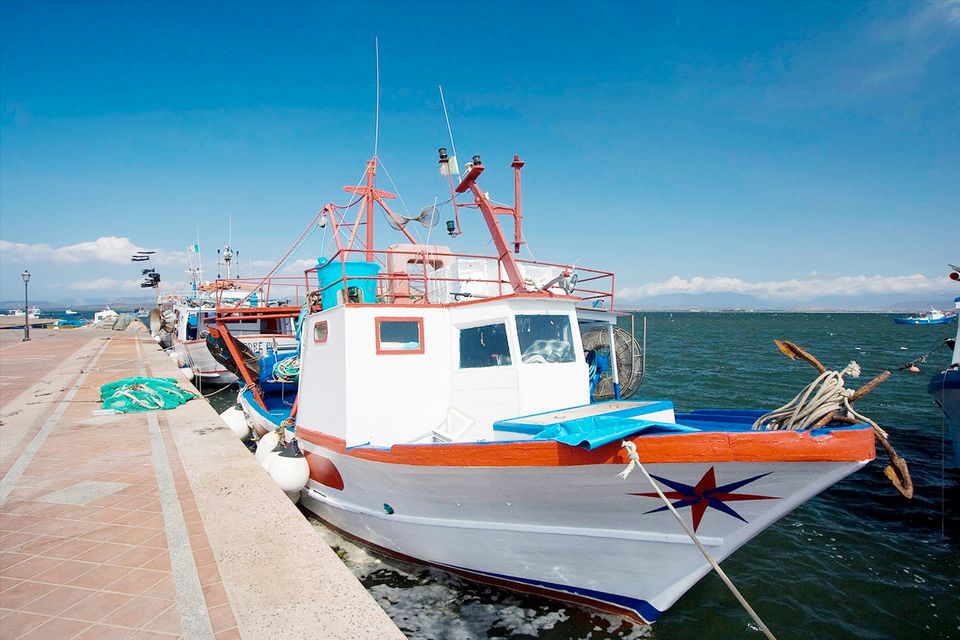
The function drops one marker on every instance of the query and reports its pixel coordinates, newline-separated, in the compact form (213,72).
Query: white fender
(237,421)
(265,447)
(290,469)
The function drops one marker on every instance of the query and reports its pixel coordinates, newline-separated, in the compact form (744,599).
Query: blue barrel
(361,275)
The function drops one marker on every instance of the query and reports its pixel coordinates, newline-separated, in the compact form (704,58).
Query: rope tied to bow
(635,463)
(826,400)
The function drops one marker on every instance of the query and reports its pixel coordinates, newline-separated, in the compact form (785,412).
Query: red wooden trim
(392,352)
(846,445)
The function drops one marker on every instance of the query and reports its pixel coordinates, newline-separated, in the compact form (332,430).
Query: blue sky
(782,150)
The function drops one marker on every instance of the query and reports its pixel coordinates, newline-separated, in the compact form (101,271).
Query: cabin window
(545,339)
(399,335)
(484,346)
(320,331)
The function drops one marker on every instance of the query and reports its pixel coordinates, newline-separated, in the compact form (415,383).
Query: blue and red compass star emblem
(706,494)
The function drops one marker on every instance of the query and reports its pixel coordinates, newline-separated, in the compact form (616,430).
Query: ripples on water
(858,561)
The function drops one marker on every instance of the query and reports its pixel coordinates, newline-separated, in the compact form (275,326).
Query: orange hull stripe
(849,445)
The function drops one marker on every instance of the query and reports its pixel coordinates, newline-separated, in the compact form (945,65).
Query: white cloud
(104,283)
(103,250)
(790,289)
(299,266)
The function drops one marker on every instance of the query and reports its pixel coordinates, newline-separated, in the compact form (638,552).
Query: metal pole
(26,312)
(613,362)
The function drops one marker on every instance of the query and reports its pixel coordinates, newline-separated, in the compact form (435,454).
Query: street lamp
(26,306)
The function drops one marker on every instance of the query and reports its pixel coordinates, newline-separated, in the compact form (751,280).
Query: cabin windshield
(484,346)
(545,339)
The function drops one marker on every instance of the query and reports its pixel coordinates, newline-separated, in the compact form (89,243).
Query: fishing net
(143,394)
(287,369)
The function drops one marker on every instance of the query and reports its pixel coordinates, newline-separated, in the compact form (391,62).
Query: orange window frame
(326,331)
(393,352)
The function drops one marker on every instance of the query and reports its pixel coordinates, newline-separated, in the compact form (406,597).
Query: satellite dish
(156,322)
(596,343)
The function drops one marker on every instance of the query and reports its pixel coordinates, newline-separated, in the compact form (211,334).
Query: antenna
(376,129)
(453,147)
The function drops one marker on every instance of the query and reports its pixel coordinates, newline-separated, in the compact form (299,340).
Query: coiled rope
(826,400)
(819,399)
(635,463)
(287,370)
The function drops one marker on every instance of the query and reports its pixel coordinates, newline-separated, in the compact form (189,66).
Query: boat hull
(945,389)
(943,320)
(576,532)
(278,410)
(194,354)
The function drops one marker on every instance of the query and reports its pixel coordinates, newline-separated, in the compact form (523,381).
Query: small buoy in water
(913,369)
(237,421)
(265,445)
(290,469)
(187,372)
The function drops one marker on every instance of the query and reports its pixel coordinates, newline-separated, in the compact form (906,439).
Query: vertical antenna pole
(199,274)
(376,129)
(368,201)
(453,147)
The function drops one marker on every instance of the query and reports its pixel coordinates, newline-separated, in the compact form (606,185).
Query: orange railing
(269,292)
(437,277)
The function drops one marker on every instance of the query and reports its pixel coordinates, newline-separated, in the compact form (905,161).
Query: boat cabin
(463,366)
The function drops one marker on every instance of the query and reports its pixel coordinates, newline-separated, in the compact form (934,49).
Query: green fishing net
(143,394)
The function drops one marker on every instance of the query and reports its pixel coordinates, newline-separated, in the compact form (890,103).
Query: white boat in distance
(445,411)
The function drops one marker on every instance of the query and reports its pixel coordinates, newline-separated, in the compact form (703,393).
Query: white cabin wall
(485,394)
(395,398)
(322,404)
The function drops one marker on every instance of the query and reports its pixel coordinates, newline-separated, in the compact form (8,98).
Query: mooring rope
(817,400)
(635,463)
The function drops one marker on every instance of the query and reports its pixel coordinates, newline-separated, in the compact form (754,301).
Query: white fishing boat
(34,312)
(448,410)
(107,316)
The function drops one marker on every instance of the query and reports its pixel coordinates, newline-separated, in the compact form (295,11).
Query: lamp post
(26,306)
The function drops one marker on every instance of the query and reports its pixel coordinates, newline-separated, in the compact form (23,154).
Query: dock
(16,322)
(148,525)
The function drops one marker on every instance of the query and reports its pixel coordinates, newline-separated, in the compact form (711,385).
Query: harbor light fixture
(26,306)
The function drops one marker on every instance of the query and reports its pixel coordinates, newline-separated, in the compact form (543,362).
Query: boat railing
(234,294)
(420,274)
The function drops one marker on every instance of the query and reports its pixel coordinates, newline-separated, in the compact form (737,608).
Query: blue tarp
(596,431)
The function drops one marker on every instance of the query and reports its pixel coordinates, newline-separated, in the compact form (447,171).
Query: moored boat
(933,316)
(445,411)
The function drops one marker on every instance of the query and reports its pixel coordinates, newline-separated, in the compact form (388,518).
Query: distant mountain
(79,304)
(884,303)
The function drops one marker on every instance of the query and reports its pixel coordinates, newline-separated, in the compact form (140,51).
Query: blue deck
(278,404)
(626,419)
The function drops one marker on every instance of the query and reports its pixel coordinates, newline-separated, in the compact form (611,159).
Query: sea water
(857,561)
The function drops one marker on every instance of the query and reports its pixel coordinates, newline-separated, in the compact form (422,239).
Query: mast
(490,213)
